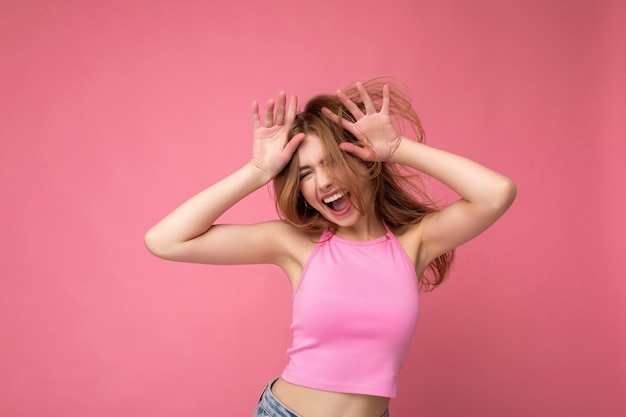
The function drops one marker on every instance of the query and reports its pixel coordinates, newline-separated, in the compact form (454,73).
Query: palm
(378,135)
(373,129)
(267,148)
(271,149)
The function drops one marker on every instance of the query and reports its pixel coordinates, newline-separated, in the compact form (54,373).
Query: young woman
(354,240)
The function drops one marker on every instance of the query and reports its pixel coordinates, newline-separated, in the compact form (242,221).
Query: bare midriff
(310,402)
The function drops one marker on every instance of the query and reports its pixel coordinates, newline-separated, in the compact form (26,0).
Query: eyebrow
(305,167)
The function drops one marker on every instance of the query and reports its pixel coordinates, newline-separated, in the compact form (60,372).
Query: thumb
(293,144)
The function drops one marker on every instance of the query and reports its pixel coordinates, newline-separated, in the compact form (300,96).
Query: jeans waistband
(271,403)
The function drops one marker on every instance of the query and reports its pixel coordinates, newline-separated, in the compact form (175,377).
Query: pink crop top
(354,313)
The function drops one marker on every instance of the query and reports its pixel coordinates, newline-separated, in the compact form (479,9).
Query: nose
(323,181)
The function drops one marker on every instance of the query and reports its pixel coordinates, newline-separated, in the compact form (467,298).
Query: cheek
(305,190)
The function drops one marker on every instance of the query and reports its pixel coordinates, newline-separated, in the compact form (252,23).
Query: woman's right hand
(271,150)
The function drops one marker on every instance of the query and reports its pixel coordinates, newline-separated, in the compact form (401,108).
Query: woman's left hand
(374,129)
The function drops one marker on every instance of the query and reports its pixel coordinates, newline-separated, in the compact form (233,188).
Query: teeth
(334,197)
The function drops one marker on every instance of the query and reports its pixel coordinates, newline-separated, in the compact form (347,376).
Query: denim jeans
(269,406)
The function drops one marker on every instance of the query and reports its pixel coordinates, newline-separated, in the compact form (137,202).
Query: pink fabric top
(354,313)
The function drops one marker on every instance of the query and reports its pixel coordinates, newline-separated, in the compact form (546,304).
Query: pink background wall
(111,113)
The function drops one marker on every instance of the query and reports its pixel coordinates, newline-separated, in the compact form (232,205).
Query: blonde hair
(396,195)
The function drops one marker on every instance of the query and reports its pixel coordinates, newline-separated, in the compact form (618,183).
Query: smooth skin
(189,233)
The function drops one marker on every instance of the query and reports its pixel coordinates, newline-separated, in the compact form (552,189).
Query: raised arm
(484,194)
(188,233)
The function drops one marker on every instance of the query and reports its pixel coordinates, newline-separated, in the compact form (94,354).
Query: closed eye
(305,174)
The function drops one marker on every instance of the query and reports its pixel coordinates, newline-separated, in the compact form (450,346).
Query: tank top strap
(388,231)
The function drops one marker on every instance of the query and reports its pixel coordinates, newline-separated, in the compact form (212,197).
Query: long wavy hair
(396,194)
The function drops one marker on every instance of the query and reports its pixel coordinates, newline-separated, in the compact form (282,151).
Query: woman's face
(318,188)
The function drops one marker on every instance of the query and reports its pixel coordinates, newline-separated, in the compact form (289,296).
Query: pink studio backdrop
(114,112)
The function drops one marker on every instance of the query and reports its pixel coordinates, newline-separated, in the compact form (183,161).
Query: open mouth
(338,201)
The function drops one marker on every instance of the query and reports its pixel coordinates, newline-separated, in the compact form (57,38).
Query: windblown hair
(397,195)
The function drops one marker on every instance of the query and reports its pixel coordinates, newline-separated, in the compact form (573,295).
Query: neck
(362,231)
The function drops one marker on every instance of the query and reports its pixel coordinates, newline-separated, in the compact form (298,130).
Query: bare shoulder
(296,243)
(294,247)
(290,240)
